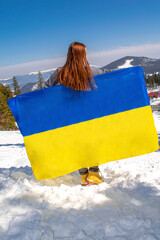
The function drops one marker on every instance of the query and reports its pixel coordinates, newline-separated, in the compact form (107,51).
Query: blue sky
(40,31)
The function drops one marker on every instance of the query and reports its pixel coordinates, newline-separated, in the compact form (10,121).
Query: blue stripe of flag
(58,106)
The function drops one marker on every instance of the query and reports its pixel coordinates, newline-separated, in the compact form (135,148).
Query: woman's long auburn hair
(76,73)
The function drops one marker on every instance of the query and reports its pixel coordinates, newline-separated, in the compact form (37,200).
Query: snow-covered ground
(155,101)
(153,89)
(126,206)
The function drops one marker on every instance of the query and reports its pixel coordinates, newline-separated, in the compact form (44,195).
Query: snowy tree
(40,81)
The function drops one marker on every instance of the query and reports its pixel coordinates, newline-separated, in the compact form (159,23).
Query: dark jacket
(52,81)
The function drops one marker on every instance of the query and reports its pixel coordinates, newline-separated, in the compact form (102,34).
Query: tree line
(7,121)
(153,80)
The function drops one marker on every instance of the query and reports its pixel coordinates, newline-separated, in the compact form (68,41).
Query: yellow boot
(94,178)
(84,181)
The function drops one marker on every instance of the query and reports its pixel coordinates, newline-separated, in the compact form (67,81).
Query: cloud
(25,68)
(95,58)
(105,57)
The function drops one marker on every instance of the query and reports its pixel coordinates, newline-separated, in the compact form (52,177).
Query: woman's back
(52,81)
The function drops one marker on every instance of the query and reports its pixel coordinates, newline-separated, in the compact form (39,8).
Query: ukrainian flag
(65,130)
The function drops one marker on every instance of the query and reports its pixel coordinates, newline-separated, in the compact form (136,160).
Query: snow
(153,89)
(94,66)
(35,87)
(42,71)
(155,101)
(126,64)
(4,79)
(126,206)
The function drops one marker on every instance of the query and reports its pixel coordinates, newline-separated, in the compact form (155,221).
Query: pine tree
(7,120)
(158,79)
(17,90)
(153,81)
(40,81)
(146,80)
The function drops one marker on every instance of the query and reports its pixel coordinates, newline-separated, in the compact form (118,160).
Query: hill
(149,65)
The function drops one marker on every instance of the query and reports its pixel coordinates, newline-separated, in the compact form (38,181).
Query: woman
(77,74)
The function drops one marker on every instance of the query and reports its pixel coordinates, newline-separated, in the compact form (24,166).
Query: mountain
(149,65)
(28,82)
(29,87)
(28,79)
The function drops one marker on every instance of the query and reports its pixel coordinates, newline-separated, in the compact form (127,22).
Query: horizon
(54,68)
(37,66)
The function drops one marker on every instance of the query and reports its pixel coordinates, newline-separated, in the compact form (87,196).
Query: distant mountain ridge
(29,81)
(149,65)
(28,78)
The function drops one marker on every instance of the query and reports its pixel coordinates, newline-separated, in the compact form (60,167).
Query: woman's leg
(84,174)
(93,175)
(94,169)
(83,171)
